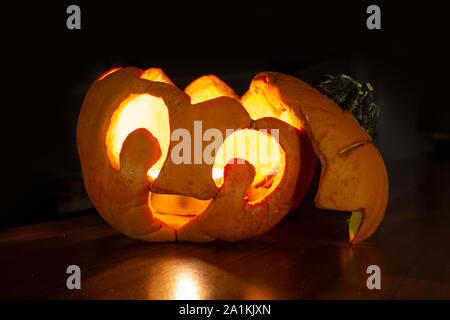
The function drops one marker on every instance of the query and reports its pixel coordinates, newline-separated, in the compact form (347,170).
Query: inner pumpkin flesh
(259,148)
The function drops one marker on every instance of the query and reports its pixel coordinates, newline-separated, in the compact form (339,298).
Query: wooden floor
(304,257)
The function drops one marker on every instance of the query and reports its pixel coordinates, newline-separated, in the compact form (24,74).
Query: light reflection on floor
(186,287)
(191,279)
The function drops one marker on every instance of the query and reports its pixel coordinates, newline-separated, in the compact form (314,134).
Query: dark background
(47,70)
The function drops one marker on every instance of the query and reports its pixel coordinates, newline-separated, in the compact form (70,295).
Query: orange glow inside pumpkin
(138,111)
(257,147)
(145,111)
(258,107)
(207,88)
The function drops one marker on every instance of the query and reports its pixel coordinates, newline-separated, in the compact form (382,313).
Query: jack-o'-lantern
(162,164)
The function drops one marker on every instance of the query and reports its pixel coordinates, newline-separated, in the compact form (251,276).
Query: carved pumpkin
(133,121)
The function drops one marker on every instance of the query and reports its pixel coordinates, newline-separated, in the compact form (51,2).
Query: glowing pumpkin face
(162,164)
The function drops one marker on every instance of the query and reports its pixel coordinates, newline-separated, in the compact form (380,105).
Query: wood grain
(306,256)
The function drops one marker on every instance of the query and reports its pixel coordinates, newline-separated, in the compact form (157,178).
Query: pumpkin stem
(354,97)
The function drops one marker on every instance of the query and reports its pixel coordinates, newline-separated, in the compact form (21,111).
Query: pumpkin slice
(353,176)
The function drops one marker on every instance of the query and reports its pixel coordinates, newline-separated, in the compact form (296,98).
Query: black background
(47,70)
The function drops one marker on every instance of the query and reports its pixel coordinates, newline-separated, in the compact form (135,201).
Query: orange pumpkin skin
(121,194)
(353,176)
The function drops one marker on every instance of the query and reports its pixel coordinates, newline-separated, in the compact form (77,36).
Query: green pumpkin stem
(354,97)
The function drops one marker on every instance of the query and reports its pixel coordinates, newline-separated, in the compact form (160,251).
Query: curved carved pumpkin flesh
(353,176)
(240,164)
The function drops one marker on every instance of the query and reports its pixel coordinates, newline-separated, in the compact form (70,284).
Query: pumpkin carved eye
(138,111)
(260,149)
